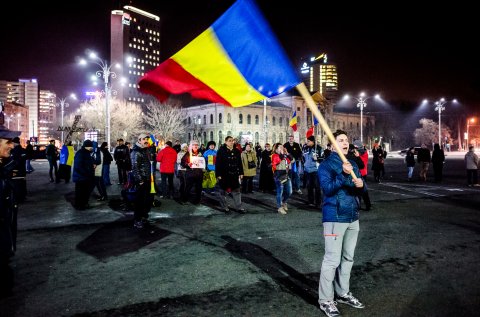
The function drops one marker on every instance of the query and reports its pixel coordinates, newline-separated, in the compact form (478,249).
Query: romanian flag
(310,131)
(236,62)
(293,121)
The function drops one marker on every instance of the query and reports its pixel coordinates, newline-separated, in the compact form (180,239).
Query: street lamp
(361,103)
(18,121)
(439,106)
(62,102)
(9,119)
(105,73)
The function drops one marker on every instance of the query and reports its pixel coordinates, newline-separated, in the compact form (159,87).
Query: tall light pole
(106,74)
(439,106)
(361,103)
(469,120)
(62,102)
(19,115)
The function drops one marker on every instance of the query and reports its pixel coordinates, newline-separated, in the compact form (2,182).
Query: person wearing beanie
(83,175)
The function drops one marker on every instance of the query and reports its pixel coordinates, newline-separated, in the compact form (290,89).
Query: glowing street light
(106,74)
(62,103)
(439,106)
(362,103)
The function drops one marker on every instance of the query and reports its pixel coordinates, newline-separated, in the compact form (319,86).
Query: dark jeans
(100,184)
(472,177)
(122,173)
(53,165)
(193,182)
(167,189)
(313,187)
(143,201)
(247,184)
(83,189)
(106,174)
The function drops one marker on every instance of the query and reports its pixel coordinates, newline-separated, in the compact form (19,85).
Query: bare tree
(428,133)
(166,121)
(125,119)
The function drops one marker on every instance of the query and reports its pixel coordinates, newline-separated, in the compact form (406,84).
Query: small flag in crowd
(293,121)
(310,131)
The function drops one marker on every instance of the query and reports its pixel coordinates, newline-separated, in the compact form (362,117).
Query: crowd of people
(335,185)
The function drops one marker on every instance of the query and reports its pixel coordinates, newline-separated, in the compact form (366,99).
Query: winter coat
(141,166)
(8,212)
(229,167)
(340,201)
(471,160)
(410,159)
(249,157)
(191,172)
(310,164)
(167,158)
(83,166)
(210,159)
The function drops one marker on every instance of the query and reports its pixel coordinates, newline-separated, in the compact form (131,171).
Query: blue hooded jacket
(340,196)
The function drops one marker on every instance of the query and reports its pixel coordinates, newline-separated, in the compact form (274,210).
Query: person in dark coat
(51,152)
(83,175)
(121,154)
(229,173)
(266,183)
(142,162)
(438,159)
(424,159)
(29,156)
(106,162)
(20,172)
(410,161)
(8,213)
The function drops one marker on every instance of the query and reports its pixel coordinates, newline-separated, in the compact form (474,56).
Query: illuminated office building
(135,45)
(320,75)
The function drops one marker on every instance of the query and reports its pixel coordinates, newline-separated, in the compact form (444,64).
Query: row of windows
(281,121)
(203,137)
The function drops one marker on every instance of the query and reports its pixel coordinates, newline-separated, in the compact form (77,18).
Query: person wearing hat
(83,175)
(8,212)
(141,159)
(312,154)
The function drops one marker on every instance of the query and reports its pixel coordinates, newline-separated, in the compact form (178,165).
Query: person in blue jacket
(340,227)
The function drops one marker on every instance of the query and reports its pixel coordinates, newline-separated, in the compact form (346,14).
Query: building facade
(16,119)
(135,45)
(24,92)
(267,123)
(47,117)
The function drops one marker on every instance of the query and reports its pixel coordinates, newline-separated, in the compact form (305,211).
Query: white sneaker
(282,211)
(299,191)
(330,308)
(285,207)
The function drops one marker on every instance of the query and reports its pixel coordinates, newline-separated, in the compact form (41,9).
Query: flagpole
(302,89)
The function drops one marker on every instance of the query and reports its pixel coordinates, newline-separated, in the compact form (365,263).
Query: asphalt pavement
(417,255)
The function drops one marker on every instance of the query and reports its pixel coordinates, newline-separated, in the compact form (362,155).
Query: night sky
(405,53)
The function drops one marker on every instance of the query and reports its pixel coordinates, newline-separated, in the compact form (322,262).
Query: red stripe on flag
(170,77)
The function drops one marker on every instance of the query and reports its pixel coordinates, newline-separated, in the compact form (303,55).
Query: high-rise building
(47,115)
(135,45)
(320,75)
(25,92)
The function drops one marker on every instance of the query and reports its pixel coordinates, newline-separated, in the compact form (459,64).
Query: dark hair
(169,143)
(339,132)
(211,143)
(275,146)
(104,144)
